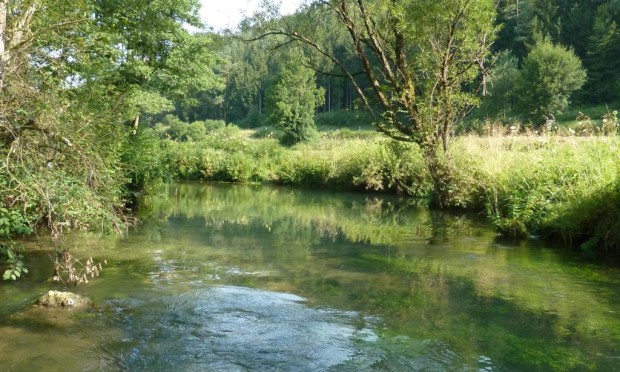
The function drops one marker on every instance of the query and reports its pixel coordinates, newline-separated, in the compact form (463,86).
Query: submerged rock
(64,299)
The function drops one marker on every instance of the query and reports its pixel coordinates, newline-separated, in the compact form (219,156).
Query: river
(244,278)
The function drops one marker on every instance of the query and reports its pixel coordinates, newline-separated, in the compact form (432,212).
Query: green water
(236,278)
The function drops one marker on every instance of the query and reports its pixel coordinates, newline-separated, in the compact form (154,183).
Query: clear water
(240,278)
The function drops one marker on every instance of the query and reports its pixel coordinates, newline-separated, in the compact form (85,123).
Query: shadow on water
(259,278)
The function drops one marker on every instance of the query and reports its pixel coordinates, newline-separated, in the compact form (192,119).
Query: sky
(222,14)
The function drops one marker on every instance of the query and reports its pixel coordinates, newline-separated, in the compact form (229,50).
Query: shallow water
(236,278)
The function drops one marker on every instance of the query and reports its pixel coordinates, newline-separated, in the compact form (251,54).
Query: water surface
(223,278)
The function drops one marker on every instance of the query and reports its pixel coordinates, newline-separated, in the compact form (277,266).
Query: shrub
(550,74)
(13,222)
(214,125)
(196,131)
(254,119)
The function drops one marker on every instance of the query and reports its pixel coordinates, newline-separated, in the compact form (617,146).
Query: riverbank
(561,188)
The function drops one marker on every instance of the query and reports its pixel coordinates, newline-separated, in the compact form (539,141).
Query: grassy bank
(564,188)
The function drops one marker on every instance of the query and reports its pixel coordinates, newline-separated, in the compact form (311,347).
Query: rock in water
(64,299)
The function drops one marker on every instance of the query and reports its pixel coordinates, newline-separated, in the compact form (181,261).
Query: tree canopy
(73,75)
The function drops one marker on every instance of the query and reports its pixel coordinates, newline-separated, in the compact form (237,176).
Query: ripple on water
(232,328)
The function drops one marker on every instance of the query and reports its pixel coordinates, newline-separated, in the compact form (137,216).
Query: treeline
(588,27)
(547,55)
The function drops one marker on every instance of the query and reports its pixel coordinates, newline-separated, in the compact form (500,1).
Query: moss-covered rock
(64,299)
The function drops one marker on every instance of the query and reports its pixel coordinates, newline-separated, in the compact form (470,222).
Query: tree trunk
(3,41)
(441,176)
(136,123)
(9,45)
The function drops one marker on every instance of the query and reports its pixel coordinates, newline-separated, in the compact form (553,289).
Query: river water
(238,278)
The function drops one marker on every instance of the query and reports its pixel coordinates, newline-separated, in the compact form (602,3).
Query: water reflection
(257,278)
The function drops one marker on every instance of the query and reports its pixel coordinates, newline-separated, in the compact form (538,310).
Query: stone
(64,300)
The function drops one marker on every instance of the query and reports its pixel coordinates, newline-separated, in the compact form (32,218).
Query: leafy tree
(71,74)
(417,56)
(59,157)
(550,74)
(293,99)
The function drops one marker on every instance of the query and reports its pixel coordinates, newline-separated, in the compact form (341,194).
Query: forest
(505,108)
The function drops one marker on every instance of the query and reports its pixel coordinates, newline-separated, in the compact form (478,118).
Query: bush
(254,119)
(214,125)
(550,74)
(196,131)
(13,222)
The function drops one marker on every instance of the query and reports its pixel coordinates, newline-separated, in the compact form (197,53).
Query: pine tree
(293,99)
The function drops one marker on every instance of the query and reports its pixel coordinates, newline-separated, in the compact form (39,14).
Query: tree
(418,57)
(550,74)
(153,60)
(59,157)
(72,74)
(603,58)
(293,99)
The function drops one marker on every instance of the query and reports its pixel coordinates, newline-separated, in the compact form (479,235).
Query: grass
(550,186)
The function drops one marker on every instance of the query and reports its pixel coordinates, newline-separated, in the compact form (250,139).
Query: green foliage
(589,27)
(176,129)
(72,79)
(549,187)
(254,119)
(593,221)
(603,58)
(368,163)
(144,163)
(550,74)
(214,125)
(12,223)
(292,101)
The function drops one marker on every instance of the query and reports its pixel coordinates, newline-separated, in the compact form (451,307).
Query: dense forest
(101,100)
(584,34)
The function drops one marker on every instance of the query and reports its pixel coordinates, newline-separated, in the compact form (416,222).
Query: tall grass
(376,164)
(543,185)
